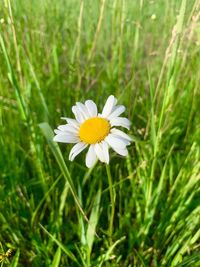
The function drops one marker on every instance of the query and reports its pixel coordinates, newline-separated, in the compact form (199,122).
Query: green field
(54,212)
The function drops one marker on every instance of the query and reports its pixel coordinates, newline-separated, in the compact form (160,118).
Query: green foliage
(58,213)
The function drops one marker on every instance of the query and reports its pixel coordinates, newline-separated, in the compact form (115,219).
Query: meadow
(54,212)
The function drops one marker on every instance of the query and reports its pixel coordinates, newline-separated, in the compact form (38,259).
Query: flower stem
(112,199)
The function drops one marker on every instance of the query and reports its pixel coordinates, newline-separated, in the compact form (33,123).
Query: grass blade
(15,260)
(56,259)
(60,245)
(48,133)
(93,221)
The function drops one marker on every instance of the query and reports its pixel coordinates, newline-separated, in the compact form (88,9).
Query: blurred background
(54,53)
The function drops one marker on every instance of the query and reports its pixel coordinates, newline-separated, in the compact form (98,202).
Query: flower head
(89,128)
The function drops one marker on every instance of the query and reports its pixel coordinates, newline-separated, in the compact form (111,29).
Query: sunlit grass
(54,212)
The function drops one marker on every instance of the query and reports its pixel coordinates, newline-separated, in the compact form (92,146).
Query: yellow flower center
(94,130)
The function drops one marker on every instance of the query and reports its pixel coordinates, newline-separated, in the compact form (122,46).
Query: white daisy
(95,130)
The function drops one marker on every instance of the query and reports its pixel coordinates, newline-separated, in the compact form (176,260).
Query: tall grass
(57,213)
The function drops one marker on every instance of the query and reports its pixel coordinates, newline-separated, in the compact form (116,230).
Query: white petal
(116,112)
(105,151)
(78,115)
(82,108)
(66,138)
(120,121)
(121,134)
(116,141)
(56,131)
(91,107)
(72,122)
(108,108)
(68,128)
(122,152)
(99,152)
(90,157)
(76,150)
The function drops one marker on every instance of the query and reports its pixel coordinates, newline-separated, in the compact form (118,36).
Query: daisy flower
(96,130)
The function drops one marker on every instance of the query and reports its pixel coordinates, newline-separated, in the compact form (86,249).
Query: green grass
(57,213)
